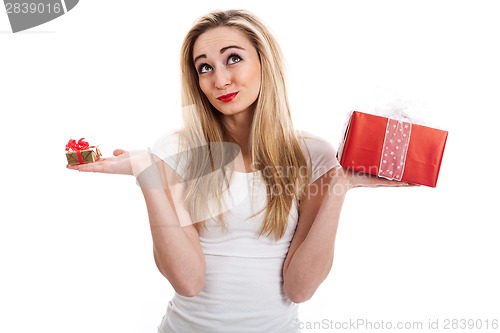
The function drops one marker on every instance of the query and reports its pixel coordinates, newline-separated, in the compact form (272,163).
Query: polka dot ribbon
(395,148)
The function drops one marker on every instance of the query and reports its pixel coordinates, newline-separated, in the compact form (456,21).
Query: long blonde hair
(274,143)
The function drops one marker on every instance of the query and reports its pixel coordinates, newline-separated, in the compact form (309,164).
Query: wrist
(140,161)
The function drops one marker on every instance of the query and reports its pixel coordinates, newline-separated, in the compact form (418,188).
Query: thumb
(118,152)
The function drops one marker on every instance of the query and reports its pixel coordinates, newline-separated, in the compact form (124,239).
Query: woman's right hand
(123,163)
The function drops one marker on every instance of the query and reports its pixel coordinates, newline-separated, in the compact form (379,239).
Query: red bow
(76,146)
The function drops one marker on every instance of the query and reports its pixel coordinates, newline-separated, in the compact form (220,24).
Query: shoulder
(168,148)
(320,153)
(315,146)
(166,144)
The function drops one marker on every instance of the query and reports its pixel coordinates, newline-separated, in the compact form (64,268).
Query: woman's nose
(222,78)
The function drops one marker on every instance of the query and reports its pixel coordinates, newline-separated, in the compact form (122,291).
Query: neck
(238,127)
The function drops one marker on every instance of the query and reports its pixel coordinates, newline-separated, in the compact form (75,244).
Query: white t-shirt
(243,282)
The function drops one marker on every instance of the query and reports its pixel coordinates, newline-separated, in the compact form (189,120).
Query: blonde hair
(274,143)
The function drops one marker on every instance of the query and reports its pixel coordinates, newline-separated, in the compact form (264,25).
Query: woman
(243,209)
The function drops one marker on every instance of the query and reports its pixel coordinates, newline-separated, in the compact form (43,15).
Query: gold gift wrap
(88,156)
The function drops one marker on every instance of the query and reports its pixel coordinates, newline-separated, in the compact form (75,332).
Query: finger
(391,183)
(88,167)
(114,165)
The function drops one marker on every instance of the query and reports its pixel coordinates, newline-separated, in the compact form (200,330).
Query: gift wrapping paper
(80,152)
(393,148)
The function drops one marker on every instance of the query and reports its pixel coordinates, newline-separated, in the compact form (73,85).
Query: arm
(177,250)
(311,252)
(310,255)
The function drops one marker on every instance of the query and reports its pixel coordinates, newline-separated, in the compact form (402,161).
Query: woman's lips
(227,98)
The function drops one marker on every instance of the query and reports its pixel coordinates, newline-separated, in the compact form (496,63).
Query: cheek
(250,76)
(204,86)
(256,78)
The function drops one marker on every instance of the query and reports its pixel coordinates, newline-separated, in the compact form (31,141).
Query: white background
(75,249)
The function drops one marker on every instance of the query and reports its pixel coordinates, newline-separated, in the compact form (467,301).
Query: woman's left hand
(350,179)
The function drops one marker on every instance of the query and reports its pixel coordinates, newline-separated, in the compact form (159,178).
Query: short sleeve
(321,155)
(167,148)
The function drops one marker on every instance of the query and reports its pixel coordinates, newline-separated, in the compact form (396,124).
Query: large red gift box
(393,149)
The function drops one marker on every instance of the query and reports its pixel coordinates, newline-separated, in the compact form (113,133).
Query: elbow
(299,299)
(184,287)
(190,290)
(299,295)
(300,286)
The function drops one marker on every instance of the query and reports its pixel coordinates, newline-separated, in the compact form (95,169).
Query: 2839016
(32,8)
(470,324)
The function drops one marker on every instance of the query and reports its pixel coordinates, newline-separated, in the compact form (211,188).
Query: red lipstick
(227,98)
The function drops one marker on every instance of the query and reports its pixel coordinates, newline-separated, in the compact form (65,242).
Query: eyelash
(232,55)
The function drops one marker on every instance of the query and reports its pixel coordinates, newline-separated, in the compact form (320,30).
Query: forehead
(211,41)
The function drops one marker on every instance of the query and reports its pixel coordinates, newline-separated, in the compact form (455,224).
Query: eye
(204,68)
(233,59)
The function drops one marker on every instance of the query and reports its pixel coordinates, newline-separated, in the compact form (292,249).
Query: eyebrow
(224,49)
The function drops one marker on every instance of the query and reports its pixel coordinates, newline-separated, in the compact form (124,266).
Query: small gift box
(396,149)
(79,152)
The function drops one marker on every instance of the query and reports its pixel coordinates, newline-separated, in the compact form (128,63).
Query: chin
(230,110)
